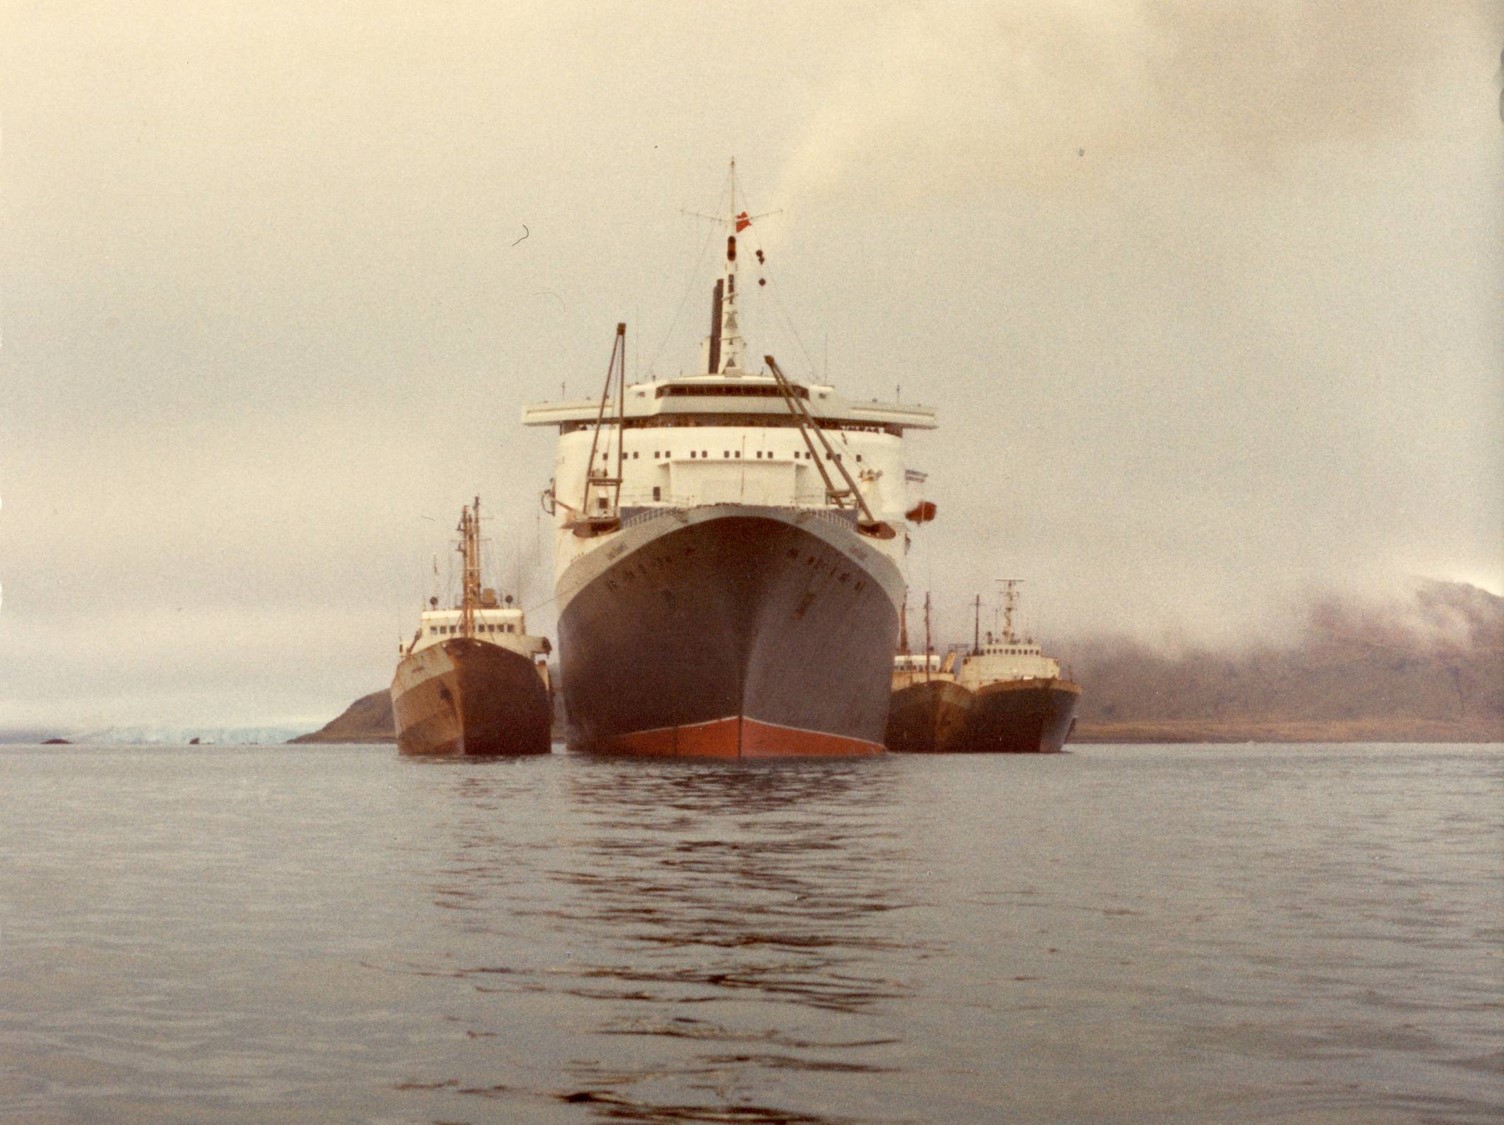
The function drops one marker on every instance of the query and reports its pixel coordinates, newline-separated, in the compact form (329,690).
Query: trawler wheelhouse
(479,614)
(438,624)
(1004,655)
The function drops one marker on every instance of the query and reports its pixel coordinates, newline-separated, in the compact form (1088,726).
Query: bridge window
(757,390)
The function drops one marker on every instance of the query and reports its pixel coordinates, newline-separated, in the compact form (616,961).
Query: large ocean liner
(473,681)
(728,553)
(1000,695)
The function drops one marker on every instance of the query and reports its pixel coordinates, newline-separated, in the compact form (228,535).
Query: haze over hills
(1427,666)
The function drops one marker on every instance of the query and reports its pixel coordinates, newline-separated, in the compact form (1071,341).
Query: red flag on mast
(742,222)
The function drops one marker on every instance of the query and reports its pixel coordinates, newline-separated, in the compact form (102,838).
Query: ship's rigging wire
(788,323)
(692,275)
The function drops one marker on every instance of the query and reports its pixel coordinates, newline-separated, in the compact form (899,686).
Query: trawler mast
(1010,603)
(469,548)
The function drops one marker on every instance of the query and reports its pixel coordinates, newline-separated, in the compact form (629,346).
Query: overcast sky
(1208,296)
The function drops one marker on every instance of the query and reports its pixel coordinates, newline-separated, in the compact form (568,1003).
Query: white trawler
(473,681)
(1000,695)
(728,554)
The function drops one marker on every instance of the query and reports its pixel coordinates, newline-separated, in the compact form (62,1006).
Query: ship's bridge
(715,439)
(1004,659)
(494,624)
(719,400)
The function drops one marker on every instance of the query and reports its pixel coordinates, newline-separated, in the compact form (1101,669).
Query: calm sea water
(1190,934)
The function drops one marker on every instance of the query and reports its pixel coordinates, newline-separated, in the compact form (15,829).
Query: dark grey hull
(736,635)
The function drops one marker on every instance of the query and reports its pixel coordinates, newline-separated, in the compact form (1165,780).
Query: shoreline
(1172,731)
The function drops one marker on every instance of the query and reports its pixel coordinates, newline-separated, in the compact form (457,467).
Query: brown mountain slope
(368,719)
(1429,667)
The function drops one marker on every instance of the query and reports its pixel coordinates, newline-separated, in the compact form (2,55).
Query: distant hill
(368,719)
(1429,667)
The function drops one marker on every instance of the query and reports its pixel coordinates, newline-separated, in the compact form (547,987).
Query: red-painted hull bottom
(733,737)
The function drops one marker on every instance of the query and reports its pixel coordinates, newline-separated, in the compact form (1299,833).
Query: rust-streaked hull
(928,716)
(734,632)
(466,697)
(1007,717)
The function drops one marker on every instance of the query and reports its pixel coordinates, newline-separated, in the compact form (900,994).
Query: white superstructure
(741,433)
(718,439)
(1005,656)
(479,614)
(502,625)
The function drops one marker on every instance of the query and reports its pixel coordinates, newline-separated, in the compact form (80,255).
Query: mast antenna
(469,530)
(928,647)
(727,346)
(1010,603)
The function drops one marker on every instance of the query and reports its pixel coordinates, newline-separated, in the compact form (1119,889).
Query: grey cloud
(263,310)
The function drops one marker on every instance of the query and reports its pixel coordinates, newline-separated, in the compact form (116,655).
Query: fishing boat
(1000,695)
(728,551)
(472,681)
(928,710)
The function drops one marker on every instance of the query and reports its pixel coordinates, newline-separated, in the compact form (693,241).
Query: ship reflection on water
(1187,935)
(773,880)
(702,943)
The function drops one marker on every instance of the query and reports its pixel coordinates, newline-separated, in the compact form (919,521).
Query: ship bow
(731,632)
